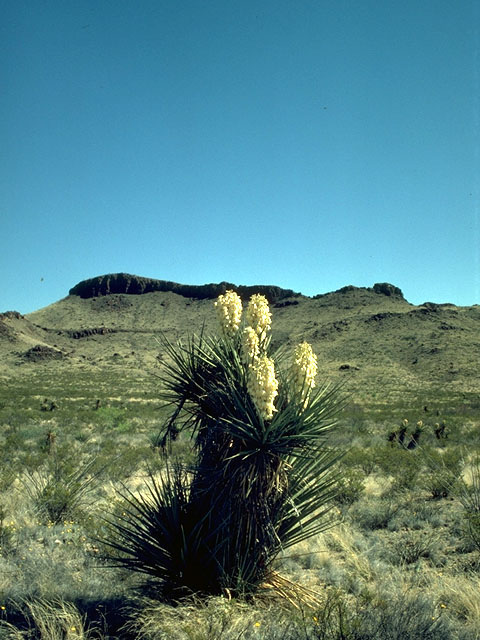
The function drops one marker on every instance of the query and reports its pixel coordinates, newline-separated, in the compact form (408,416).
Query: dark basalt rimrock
(130,284)
(86,333)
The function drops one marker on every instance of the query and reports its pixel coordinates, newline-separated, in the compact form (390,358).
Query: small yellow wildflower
(263,386)
(250,344)
(229,312)
(258,315)
(420,424)
(257,624)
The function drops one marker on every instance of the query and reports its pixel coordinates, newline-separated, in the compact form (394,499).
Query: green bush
(350,487)
(403,465)
(361,458)
(113,418)
(376,513)
(442,473)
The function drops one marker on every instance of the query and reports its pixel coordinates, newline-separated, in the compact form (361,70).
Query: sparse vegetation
(405,561)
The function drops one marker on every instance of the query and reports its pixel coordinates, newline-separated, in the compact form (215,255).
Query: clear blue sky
(310,144)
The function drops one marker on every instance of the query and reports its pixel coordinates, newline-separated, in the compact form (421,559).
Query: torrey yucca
(264,475)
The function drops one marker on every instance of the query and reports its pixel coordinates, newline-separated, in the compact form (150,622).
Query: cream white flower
(229,312)
(259,316)
(263,386)
(250,345)
(304,370)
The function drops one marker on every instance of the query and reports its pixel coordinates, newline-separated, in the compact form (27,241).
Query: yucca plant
(61,487)
(264,476)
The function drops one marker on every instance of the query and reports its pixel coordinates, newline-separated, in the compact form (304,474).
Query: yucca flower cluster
(229,312)
(259,316)
(262,381)
(263,386)
(250,345)
(304,371)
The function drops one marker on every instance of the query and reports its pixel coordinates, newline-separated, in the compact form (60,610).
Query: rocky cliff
(130,284)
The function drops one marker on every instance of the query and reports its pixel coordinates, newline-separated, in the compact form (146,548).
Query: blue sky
(310,144)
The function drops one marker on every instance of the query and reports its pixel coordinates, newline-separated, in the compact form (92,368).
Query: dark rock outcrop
(388,289)
(86,333)
(40,353)
(130,284)
(6,331)
(383,288)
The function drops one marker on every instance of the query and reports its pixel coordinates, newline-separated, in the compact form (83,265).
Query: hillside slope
(374,340)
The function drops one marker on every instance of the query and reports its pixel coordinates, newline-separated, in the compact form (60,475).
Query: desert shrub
(113,418)
(442,473)
(389,617)
(408,547)
(48,621)
(339,617)
(7,476)
(361,458)
(349,487)
(440,483)
(263,478)
(376,513)
(61,486)
(403,465)
(121,458)
(472,528)
(417,514)
(7,537)
(215,618)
